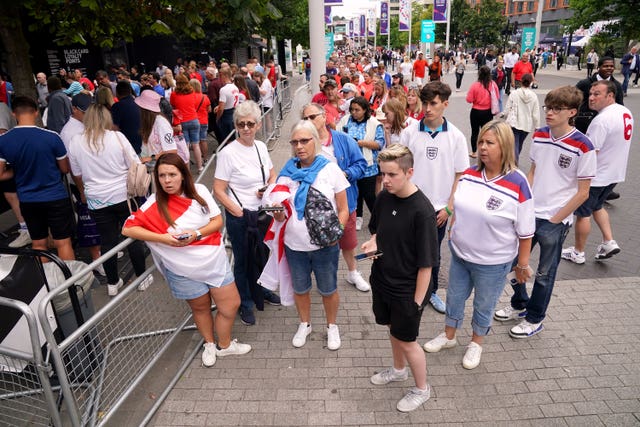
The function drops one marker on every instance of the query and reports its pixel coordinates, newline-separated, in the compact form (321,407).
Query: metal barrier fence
(99,365)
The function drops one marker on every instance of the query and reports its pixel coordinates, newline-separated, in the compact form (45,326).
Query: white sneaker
(333,337)
(509,313)
(112,290)
(300,338)
(359,222)
(23,239)
(234,348)
(355,278)
(209,354)
(389,375)
(608,249)
(439,342)
(526,329)
(414,399)
(146,282)
(471,358)
(570,254)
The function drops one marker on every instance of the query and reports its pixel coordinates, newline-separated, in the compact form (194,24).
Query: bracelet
(522,267)
(341,226)
(446,209)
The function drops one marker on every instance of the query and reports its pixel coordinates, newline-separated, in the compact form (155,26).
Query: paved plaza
(583,369)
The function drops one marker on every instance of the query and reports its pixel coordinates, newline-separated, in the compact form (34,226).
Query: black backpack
(322,221)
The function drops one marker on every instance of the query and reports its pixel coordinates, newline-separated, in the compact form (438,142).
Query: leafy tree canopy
(586,12)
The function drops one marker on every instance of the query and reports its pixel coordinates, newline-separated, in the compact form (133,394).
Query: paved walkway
(584,369)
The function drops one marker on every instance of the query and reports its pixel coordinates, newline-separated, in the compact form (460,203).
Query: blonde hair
(104,96)
(306,125)
(505,138)
(396,107)
(195,84)
(97,121)
(397,153)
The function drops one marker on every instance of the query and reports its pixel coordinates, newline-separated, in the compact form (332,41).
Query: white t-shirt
(611,132)
(330,180)
(230,95)
(203,260)
(560,163)
(267,99)
(394,138)
(491,216)
(406,68)
(240,167)
(510,59)
(160,138)
(436,159)
(104,173)
(72,128)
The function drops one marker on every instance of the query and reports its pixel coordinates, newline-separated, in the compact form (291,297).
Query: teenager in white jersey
(563,162)
(610,132)
(494,221)
(229,97)
(440,155)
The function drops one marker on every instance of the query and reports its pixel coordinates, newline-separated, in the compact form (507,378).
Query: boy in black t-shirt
(403,228)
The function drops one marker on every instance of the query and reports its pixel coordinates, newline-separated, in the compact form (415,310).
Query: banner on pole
(371,19)
(327,15)
(363,26)
(333,2)
(528,39)
(350,29)
(328,45)
(384,18)
(440,11)
(404,15)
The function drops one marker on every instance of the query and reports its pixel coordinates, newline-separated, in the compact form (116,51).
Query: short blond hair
(397,153)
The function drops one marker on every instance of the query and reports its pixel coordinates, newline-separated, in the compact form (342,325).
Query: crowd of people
(367,137)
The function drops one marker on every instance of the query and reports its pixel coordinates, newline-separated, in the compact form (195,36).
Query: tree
(625,12)
(293,24)
(107,22)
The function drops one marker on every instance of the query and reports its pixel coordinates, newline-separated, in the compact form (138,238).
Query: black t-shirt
(407,236)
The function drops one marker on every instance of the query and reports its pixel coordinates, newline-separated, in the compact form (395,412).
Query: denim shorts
(191,131)
(322,262)
(187,289)
(597,197)
(203,131)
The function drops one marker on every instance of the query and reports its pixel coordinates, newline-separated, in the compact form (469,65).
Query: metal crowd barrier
(99,365)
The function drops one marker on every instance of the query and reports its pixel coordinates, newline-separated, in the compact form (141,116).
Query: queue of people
(391,148)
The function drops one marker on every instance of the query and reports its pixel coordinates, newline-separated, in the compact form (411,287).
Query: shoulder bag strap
(264,180)
(200,105)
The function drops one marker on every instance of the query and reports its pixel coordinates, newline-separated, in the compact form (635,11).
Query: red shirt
(520,69)
(203,109)
(186,103)
(418,67)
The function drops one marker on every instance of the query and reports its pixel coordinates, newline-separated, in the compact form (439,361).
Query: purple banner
(327,15)
(333,2)
(384,18)
(405,15)
(350,29)
(363,26)
(439,10)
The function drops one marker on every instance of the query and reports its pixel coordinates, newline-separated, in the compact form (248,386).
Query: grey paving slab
(583,370)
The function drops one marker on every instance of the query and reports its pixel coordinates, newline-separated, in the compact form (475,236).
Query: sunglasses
(303,141)
(250,125)
(312,116)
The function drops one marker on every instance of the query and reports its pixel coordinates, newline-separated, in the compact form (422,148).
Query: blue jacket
(626,63)
(350,160)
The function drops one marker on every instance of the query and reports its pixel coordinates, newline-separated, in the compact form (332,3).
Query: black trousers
(478,119)
(366,192)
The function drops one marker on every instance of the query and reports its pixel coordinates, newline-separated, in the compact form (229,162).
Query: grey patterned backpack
(322,221)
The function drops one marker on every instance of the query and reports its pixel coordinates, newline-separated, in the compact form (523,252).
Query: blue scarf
(306,176)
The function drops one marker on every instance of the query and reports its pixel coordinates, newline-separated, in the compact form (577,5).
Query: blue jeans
(487,281)
(625,82)
(191,131)
(237,230)
(322,262)
(519,136)
(435,270)
(550,237)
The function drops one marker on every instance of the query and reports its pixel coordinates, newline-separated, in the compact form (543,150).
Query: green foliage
(477,27)
(293,22)
(586,12)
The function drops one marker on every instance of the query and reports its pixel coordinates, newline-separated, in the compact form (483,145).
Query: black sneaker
(247,317)
(272,299)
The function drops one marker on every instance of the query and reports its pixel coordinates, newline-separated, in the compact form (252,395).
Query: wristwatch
(198,235)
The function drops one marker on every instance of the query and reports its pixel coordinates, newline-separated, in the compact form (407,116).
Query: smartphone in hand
(183,236)
(361,257)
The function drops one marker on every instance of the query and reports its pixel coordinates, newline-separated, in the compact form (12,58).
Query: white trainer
(333,337)
(606,250)
(209,354)
(471,358)
(570,254)
(23,239)
(355,278)
(300,338)
(234,348)
(146,282)
(112,290)
(439,342)
(389,375)
(359,222)
(414,399)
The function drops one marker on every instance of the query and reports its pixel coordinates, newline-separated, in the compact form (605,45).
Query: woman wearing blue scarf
(308,169)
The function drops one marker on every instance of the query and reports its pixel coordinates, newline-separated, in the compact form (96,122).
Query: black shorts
(41,217)
(597,197)
(401,315)
(8,186)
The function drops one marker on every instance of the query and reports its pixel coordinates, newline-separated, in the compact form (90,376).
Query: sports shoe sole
(506,319)
(573,260)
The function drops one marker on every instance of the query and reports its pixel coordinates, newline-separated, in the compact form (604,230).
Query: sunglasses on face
(312,116)
(250,125)
(303,141)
